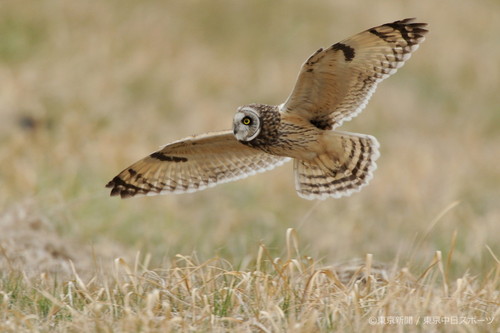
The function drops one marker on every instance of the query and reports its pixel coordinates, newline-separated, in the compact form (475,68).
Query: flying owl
(333,86)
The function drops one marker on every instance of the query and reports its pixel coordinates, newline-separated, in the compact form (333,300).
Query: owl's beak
(237,133)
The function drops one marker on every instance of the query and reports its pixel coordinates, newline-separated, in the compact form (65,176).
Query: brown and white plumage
(338,174)
(333,86)
(193,164)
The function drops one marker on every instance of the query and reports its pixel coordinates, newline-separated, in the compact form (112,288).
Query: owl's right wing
(192,164)
(335,84)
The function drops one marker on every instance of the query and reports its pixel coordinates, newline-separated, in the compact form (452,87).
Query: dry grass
(89,86)
(295,294)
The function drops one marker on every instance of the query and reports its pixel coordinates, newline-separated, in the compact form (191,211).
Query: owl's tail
(341,172)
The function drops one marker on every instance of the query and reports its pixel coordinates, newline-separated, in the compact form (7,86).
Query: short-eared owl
(333,86)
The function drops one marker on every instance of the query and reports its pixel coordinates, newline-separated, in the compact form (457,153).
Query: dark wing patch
(348,51)
(162,157)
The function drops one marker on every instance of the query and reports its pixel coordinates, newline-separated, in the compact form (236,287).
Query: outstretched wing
(192,164)
(335,84)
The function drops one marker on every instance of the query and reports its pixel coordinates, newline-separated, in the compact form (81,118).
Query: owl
(333,86)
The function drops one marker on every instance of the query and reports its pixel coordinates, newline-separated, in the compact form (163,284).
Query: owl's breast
(291,138)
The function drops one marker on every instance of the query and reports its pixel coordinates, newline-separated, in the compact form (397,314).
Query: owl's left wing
(335,84)
(192,164)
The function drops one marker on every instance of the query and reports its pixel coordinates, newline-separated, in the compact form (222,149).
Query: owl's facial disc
(246,124)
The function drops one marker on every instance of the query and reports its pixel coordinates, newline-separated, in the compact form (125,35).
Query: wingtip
(416,25)
(117,190)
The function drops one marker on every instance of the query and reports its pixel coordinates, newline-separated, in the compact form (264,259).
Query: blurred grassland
(88,87)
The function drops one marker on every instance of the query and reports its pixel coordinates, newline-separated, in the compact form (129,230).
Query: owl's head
(246,123)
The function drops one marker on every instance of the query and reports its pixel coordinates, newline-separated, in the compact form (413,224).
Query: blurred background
(88,87)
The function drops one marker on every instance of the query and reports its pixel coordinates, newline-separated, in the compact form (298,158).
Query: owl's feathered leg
(338,173)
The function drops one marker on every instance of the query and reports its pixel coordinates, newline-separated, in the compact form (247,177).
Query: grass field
(88,87)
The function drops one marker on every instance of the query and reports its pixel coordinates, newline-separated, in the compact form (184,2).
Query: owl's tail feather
(341,172)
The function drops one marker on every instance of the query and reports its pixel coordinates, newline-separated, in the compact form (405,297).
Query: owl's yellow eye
(246,121)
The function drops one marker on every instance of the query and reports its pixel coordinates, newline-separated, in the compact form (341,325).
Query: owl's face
(246,124)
